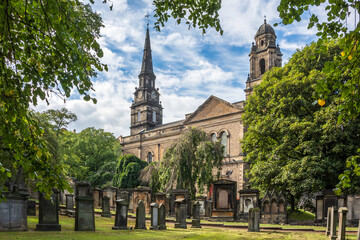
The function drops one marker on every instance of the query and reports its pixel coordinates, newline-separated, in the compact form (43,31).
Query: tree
(190,161)
(50,47)
(343,73)
(293,144)
(128,171)
(90,155)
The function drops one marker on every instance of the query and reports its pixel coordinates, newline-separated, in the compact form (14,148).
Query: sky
(189,66)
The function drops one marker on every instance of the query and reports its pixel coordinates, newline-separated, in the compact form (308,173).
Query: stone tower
(146,110)
(264,55)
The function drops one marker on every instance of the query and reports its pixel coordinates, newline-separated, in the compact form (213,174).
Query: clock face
(139,95)
(153,95)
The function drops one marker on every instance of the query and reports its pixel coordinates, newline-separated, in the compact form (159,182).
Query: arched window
(262,66)
(154,116)
(224,142)
(138,116)
(149,157)
(213,137)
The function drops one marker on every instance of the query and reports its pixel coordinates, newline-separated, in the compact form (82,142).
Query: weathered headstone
(48,213)
(154,216)
(31,208)
(106,207)
(140,216)
(84,214)
(83,188)
(70,201)
(342,223)
(208,207)
(162,217)
(121,214)
(254,220)
(333,223)
(13,210)
(97,197)
(196,215)
(327,232)
(181,213)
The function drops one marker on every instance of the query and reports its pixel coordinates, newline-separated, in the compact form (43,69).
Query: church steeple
(146,110)
(147,66)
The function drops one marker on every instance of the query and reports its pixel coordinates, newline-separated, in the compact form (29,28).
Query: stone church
(149,137)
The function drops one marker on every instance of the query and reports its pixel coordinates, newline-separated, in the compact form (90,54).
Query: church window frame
(262,66)
(224,140)
(154,116)
(138,116)
(149,157)
(213,137)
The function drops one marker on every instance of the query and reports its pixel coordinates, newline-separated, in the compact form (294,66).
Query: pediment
(211,108)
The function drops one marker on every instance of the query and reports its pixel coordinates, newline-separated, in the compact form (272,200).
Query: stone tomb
(154,216)
(273,207)
(31,208)
(84,215)
(140,216)
(224,205)
(249,198)
(143,194)
(13,210)
(324,200)
(162,217)
(48,213)
(97,195)
(106,207)
(196,215)
(121,215)
(180,213)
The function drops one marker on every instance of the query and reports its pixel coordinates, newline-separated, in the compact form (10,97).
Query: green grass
(104,231)
(301,215)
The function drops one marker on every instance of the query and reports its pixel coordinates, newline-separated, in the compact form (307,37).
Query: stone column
(327,232)
(162,217)
(121,215)
(48,213)
(342,223)
(84,213)
(69,201)
(196,215)
(154,216)
(254,220)
(333,222)
(181,213)
(140,216)
(106,207)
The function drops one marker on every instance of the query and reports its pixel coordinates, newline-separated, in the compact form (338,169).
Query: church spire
(147,66)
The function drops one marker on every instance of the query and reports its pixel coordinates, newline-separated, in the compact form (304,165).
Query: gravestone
(196,215)
(208,207)
(327,232)
(181,213)
(121,215)
(162,217)
(70,201)
(13,210)
(249,198)
(224,205)
(48,213)
(254,220)
(123,195)
(140,216)
(97,197)
(333,222)
(143,194)
(106,207)
(178,194)
(202,202)
(31,208)
(160,197)
(82,188)
(342,223)
(84,213)
(154,216)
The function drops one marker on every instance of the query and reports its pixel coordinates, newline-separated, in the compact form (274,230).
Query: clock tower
(146,109)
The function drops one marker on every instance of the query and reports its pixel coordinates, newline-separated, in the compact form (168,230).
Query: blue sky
(189,66)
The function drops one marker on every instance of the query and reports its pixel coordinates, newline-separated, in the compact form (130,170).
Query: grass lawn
(104,231)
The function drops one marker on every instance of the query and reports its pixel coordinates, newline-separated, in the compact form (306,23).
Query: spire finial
(264,18)
(147,20)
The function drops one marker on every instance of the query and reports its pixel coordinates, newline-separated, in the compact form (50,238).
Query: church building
(149,137)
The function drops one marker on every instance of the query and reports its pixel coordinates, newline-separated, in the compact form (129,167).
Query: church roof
(147,66)
(265,28)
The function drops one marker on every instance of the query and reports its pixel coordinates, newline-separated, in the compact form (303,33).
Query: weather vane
(147,20)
